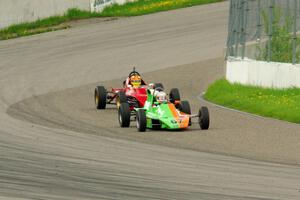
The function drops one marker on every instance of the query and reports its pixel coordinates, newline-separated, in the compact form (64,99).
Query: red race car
(134,92)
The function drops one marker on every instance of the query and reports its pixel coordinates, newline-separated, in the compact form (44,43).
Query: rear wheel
(174,95)
(185,108)
(141,120)
(159,86)
(124,115)
(204,118)
(121,98)
(100,97)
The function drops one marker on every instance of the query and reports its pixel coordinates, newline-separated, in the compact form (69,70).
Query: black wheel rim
(138,123)
(120,118)
(96,98)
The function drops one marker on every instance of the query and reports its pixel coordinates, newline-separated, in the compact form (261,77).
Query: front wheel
(124,115)
(121,98)
(204,118)
(100,97)
(141,120)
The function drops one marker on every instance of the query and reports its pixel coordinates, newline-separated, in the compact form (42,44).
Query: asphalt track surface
(55,145)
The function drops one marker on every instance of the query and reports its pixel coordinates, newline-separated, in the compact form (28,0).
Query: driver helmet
(161,97)
(135,81)
(151,85)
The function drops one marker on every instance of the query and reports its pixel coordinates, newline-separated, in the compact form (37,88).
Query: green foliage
(275,103)
(282,38)
(140,7)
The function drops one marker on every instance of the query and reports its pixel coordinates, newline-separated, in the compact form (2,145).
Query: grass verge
(44,25)
(140,7)
(279,104)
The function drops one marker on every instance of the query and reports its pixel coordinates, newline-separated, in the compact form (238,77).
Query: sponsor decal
(161,112)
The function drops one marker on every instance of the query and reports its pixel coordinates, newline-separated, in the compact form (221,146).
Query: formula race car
(162,113)
(134,93)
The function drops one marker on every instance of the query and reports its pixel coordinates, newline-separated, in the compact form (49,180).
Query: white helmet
(161,97)
(151,85)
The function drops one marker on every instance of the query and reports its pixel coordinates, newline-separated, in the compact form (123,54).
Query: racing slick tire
(159,85)
(204,118)
(185,107)
(124,115)
(141,121)
(121,98)
(174,95)
(100,97)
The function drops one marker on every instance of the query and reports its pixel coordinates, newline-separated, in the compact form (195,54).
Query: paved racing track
(55,145)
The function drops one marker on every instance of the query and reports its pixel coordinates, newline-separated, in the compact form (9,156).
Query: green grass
(140,7)
(44,25)
(143,7)
(275,103)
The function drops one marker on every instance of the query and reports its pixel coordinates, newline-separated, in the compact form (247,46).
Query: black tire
(124,115)
(186,108)
(204,118)
(174,95)
(121,98)
(159,86)
(141,120)
(100,97)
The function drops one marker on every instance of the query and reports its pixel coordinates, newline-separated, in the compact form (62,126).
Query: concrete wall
(261,73)
(17,11)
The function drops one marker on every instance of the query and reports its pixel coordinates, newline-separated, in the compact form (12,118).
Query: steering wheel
(159,89)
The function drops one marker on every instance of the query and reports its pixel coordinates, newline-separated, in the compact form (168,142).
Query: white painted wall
(261,73)
(17,11)
(99,5)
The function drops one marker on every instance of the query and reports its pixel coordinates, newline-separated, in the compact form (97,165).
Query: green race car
(160,112)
